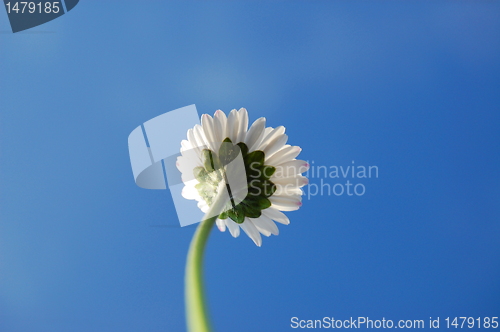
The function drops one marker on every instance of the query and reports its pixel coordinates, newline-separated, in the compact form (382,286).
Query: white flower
(275,172)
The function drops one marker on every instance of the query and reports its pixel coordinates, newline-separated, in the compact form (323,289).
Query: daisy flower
(272,176)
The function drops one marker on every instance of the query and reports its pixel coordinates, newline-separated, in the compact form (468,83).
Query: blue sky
(411,87)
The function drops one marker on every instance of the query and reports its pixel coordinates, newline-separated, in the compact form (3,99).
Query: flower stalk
(196,308)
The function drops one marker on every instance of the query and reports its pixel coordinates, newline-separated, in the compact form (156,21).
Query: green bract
(258,176)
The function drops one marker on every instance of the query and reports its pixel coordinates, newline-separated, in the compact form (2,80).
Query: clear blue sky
(411,87)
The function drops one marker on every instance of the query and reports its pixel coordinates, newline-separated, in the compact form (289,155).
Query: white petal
(220,123)
(251,231)
(291,198)
(232,126)
(290,168)
(276,215)
(281,151)
(233,227)
(285,154)
(273,134)
(202,205)
(265,225)
(286,203)
(221,225)
(208,128)
(216,132)
(293,181)
(267,131)
(243,125)
(190,192)
(185,145)
(276,144)
(288,191)
(200,137)
(197,146)
(255,133)
(263,231)
(194,142)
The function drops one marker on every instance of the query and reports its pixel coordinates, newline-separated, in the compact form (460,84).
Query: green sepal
(264,202)
(253,173)
(254,160)
(261,202)
(259,187)
(236,215)
(205,187)
(243,149)
(206,191)
(251,211)
(227,207)
(200,174)
(210,160)
(269,188)
(255,187)
(268,171)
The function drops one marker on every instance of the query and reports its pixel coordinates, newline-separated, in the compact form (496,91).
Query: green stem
(196,311)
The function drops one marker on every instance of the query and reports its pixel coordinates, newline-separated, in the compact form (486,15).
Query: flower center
(258,180)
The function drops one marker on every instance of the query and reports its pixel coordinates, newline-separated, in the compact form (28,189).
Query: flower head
(268,172)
